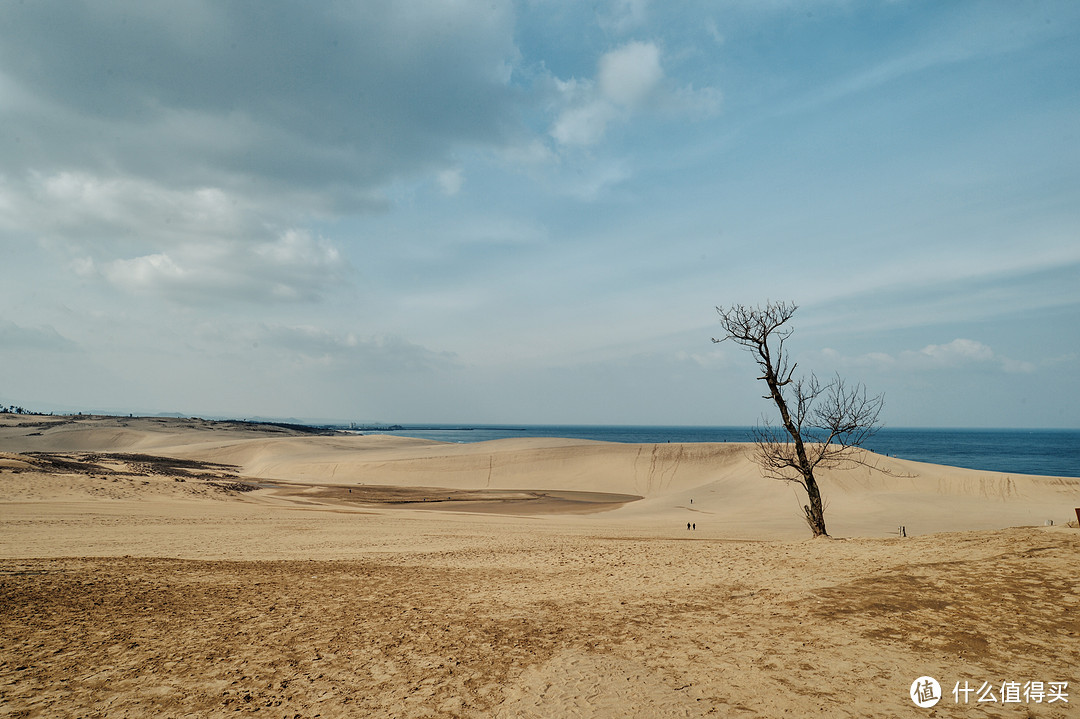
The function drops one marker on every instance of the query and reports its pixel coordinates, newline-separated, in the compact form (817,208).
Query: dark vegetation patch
(222,477)
(164,465)
(45,424)
(125,464)
(235,486)
(50,462)
(48,422)
(287,427)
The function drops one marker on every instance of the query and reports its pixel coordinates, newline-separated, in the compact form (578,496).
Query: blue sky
(526,212)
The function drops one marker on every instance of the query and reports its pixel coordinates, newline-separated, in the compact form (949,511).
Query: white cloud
(630,79)
(82,206)
(144,273)
(958,353)
(195,245)
(962,353)
(296,248)
(627,77)
(629,74)
(383,353)
(292,267)
(584,125)
(450,181)
(713,31)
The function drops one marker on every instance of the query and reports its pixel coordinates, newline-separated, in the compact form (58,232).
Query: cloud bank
(960,353)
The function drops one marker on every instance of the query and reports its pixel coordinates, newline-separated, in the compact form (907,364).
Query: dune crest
(716,485)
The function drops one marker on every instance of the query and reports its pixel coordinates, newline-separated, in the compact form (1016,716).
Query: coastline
(670,483)
(1048,452)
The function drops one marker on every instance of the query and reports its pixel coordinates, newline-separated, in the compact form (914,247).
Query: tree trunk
(815,511)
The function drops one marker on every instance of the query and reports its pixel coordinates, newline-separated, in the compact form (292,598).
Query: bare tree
(820,422)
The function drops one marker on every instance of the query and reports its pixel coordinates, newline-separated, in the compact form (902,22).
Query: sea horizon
(1040,451)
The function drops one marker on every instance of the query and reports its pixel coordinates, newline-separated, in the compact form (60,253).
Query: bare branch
(820,423)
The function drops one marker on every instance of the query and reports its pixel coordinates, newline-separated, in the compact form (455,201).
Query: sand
(258,569)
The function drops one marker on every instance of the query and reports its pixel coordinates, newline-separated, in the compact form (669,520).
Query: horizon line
(372,425)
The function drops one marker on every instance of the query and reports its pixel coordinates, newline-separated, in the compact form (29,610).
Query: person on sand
(695,526)
(688,526)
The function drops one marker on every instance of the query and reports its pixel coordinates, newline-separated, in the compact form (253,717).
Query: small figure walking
(688,526)
(695,526)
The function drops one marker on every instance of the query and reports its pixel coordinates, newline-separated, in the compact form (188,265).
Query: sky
(527,212)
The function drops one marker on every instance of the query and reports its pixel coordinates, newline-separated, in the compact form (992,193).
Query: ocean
(1051,452)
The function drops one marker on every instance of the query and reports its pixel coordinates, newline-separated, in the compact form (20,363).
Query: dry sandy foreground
(141,575)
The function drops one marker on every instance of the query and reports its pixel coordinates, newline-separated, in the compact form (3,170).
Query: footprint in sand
(577,684)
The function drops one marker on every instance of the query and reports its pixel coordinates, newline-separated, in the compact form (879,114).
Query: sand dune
(717,486)
(190,568)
